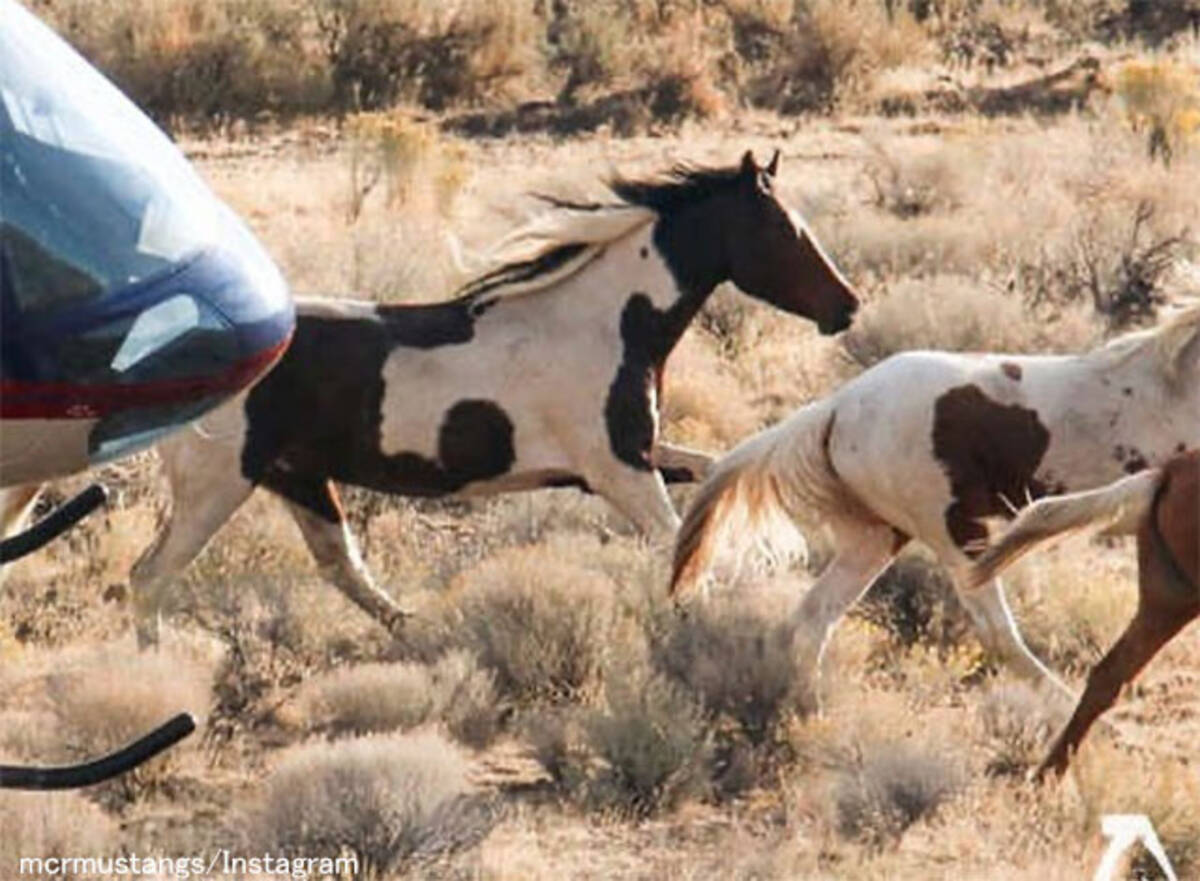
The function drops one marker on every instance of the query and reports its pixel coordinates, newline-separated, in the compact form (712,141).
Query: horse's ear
(773,165)
(749,166)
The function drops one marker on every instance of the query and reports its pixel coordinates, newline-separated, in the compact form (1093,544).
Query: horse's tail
(1119,507)
(754,495)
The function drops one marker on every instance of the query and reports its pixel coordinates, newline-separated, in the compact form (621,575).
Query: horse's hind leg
(864,550)
(1149,631)
(1166,604)
(997,630)
(318,513)
(205,491)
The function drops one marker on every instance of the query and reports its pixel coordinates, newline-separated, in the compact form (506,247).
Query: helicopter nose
(255,304)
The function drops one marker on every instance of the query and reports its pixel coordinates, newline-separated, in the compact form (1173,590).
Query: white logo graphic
(1123,831)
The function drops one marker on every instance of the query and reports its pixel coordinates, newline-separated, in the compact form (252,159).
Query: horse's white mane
(579,233)
(1167,342)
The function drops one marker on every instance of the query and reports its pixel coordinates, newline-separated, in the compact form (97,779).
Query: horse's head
(773,256)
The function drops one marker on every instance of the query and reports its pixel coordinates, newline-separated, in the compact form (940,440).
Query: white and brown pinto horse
(928,446)
(1160,505)
(543,372)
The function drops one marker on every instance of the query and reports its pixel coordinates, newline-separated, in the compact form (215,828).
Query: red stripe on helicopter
(63,400)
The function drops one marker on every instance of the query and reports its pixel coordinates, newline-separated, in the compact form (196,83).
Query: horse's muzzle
(836,325)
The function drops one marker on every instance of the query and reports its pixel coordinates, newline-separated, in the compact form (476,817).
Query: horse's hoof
(395,623)
(1045,769)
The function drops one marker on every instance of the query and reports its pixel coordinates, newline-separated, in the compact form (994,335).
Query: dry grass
(1017,728)
(380,697)
(52,825)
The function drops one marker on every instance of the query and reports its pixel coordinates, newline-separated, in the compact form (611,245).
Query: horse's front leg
(681,464)
(15,504)
(317,510)
(641,495)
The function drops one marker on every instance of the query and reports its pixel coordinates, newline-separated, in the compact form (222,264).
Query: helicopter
(132,300)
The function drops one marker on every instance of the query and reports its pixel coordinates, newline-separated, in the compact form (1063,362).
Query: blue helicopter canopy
(129,294)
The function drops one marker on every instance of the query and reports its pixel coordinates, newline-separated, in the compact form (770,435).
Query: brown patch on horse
(1177,514)
(1012,371)
(990,452)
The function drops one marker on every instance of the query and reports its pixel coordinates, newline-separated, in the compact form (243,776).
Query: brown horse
(1163,506)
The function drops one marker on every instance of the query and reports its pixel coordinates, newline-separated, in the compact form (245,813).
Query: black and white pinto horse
(543,372)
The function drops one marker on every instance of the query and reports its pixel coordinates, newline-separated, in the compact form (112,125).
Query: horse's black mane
(682,185)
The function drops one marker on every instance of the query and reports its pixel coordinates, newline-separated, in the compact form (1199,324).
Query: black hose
(99,770)
(53,524)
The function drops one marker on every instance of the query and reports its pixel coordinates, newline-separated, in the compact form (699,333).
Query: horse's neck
(1159,403)
(632,283)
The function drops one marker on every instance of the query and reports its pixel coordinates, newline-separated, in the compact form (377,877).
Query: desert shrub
(702,404)
(1068,615)
(827,53)
(915,603)
(587,43)
(197,59)
(734,658)
(52,825)
(909,183)
(368,698)
(557,740)
(644,749)
(656,61)
(1152,22)
(1163,99)
(108,695)
(23,733)
(404,155)
(1122,260)
(378,697)
(894,786)
(1017,724)
(382,51)
(466,698)
(652,740)
(736,662)
(954,314)
(387,800)
(537,621)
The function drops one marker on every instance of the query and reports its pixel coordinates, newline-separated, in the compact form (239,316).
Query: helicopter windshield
(94,197)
